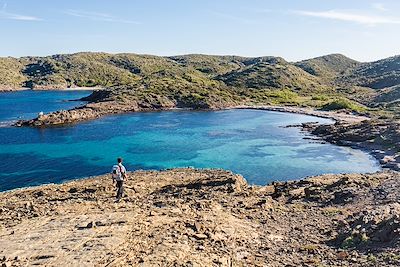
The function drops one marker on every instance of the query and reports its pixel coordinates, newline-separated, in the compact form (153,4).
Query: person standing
(119,175)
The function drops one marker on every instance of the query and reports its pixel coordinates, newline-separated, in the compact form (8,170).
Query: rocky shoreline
(387,152)
(100,103)
(379,138)
(7,89)
(87,112)
(108,106)
(189,217)
(51,88)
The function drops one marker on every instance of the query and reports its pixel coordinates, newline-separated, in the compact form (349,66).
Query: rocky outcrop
(188,217)
(87,112)
(108,102)
(11,89)
(380,137)
(101,103)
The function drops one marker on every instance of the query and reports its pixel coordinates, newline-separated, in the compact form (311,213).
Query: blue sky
(294,29)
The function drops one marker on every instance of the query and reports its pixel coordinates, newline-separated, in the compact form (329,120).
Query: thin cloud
(379,6)
(350,17)
(12,16)
(98,16)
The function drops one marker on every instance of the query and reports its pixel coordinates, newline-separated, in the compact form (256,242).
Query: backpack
(116,173)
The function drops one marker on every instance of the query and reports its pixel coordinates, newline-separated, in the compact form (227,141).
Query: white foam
(4,124)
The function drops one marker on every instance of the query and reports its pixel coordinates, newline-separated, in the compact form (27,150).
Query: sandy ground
(83,88)
(339,116)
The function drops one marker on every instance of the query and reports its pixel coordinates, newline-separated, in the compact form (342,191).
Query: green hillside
(329,66)
(210,65)
(377,75)
(82,69)
(11,75)
(212,81)
(273,73)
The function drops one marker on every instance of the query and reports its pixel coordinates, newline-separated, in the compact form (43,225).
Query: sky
(293,29)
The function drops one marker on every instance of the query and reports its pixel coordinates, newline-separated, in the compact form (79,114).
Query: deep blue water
(27,104)
(250,142)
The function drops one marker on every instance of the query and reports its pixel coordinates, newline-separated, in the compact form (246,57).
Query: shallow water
(250,142)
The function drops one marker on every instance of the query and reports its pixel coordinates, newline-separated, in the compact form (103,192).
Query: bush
(320,97)
(193,100)
(283,96)
(343,103)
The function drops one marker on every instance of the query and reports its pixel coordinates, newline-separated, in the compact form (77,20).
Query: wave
(4,124)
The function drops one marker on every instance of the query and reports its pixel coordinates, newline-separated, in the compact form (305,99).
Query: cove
(253,143)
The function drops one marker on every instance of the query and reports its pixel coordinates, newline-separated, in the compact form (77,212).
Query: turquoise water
(250,142)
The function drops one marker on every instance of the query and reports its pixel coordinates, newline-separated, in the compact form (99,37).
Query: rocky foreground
(188,217)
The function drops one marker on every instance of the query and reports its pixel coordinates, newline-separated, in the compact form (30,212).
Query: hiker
(119,175)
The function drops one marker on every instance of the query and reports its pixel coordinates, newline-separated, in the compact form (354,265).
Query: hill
(110,70)
(210,65)
(329,66)
(142,82)
(377,75)
(271,73)
(11,76)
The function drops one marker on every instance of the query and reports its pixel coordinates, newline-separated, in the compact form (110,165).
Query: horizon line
(204,54)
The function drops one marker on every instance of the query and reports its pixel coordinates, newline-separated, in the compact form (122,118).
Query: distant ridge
(380,74)
(328,66)
(198,80)
(93,68)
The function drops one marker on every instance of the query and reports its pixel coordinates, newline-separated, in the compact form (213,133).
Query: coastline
(79,88)
(6,90)
(95,110)
(335,133)
(98,109)
(52,89)
(208,217)
(381,140)
(334,115)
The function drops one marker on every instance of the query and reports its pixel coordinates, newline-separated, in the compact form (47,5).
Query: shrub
(283,96)
(343,103)
(320,97)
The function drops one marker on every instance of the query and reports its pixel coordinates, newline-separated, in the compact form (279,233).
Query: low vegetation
(381,74)
(343,103)
(329,82)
